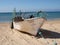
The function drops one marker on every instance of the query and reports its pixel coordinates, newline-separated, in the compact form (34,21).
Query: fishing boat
(30,25)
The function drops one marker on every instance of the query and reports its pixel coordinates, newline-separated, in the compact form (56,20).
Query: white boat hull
(29,25)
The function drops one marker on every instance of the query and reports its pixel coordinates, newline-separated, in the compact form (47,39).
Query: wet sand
(50,30)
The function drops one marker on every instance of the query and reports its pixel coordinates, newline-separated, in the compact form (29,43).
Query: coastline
(55,19)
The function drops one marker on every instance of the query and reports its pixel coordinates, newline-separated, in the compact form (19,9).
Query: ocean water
(7,17)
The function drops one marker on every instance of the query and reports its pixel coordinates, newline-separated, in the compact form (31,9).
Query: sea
(7,16)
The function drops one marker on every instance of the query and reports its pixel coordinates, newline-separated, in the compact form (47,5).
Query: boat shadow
(45,33)
(48,34)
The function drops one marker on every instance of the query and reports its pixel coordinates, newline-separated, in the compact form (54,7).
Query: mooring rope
(55,43)
(43,37)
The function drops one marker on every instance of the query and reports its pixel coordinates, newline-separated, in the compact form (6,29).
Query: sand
(50,30)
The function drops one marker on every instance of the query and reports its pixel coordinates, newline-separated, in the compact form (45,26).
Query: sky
(29,5)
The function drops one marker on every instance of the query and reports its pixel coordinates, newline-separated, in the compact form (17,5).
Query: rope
(55,43)
(43,37)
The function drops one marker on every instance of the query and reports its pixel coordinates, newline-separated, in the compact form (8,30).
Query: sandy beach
(50,30)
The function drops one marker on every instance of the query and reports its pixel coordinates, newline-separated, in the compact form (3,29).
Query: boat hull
(29,25)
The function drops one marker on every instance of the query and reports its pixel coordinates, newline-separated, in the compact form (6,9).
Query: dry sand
(50,30)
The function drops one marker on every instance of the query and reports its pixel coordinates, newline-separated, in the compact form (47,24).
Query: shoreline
(55,19)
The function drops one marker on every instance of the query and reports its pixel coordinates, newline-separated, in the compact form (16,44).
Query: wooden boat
(30,25)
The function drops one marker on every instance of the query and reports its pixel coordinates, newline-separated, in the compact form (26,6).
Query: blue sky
(29,5)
